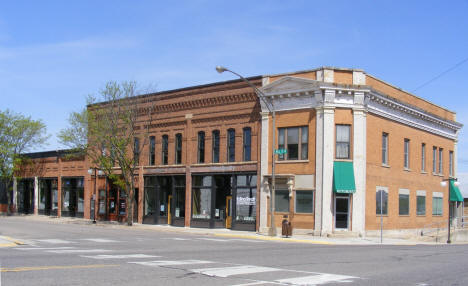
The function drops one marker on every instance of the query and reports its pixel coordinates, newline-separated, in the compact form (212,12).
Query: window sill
(385,165)
(406,169)
(404,215)
(421,215)
(303,214)
(291,161)
(383,215)
(423,172)
(437,215)
(437,174)
(344,159)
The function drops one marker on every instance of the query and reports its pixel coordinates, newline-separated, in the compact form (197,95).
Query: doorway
(228,211)
(341,211)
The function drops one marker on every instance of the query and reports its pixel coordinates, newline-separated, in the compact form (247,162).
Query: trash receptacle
(286,228)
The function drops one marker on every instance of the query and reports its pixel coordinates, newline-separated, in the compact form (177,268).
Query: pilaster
(264,189)
(15,195)
(359,164)
(36,196)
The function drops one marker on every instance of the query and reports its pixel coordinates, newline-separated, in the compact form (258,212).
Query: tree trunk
(130,205)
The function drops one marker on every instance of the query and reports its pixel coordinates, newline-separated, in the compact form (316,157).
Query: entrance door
(228,211)
(341,211)
(169,214)
(112,204)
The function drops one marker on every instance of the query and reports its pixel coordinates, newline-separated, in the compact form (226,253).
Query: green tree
(112,131)
(18,134)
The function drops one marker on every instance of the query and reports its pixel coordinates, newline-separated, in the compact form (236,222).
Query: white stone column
(327,169)
(36,195)
(264,191)
(325,138)
(15,194)
(359,164)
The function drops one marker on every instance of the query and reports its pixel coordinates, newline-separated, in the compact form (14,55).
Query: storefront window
(150,196)
(246,198)
(201,206)
(179,197)
(72,196)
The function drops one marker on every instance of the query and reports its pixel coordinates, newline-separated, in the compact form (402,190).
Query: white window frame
(377,189)
(405,192)
(423,157)
(421,193)
(441,196)
(384,148)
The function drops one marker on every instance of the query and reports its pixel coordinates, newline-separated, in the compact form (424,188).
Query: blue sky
(54,53)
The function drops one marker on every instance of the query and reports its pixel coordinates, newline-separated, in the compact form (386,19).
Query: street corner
(275,238)
(6,241)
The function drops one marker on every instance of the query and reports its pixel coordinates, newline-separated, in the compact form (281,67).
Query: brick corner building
(357,152)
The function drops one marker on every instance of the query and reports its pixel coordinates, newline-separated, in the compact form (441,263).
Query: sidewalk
(227,233)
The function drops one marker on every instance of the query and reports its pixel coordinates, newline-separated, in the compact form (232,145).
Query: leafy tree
(112,134)
(18,134)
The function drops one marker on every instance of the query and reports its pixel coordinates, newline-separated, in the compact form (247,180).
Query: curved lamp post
(270,106)
(444,184)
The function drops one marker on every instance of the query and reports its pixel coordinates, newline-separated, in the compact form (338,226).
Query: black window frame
(201,147)
(247,144)
(178,149)
(231,145)
(165,150)
(152,151)
(215,137)
(136,151)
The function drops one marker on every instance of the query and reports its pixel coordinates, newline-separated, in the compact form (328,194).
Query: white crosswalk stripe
(171,262)
(214,239)
(44,248)
(63,251)
(54,241)
(234,270)
(319,279)
(100,240)
(119,256)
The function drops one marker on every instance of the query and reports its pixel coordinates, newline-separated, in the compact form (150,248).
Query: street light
(444,184)
(270,106)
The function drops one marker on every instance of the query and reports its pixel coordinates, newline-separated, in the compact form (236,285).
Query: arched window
(201,147)
(215,138)
(231,145)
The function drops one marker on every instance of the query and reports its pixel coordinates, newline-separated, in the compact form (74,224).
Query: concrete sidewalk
(227,233)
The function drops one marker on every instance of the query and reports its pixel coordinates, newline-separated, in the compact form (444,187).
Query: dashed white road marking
(55,241)
(249,240)
(176,238)
(171,262)
(234,270)
(100,240)
(62,251)
(43,248)
(319,279)
(119,256)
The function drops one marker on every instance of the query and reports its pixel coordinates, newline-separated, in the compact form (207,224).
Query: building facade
(360,154)
(354,154)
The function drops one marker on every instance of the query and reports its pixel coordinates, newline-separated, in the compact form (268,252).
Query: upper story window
(343,140)
(231,145)
(178,148)
(451,163)
(247,140)
(406,162)
(295,141)
(136,150)
(152,150)
(423,157)
(215,144)
(434,159)
(385,148)
(441,170)
(201,147)
(164,149)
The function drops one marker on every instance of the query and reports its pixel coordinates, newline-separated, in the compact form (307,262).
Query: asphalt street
(78,254)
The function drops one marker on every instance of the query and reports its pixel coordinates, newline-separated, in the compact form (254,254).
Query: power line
(441,74)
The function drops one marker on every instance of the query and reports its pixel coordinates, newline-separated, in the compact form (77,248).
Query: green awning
(343,178)
(455,195)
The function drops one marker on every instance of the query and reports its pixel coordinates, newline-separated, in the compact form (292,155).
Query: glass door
(341,211)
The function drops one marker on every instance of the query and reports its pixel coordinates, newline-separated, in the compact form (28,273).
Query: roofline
(407,92)
(47,154)
(257,77)
(313,70)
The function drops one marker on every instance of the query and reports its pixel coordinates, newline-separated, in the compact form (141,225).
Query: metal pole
(449,216)
(95,198)
(381,216)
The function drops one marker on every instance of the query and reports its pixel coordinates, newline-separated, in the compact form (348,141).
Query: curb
(283,239)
